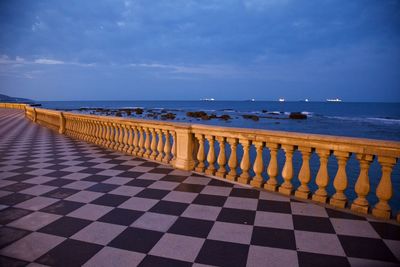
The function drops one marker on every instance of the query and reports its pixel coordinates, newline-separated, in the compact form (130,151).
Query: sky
(187,49)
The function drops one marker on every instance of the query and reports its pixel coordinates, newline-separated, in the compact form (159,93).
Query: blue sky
(186,49)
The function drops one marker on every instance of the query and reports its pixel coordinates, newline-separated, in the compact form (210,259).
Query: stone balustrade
(263,159)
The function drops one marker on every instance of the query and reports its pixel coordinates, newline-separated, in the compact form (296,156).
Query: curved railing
(260,158)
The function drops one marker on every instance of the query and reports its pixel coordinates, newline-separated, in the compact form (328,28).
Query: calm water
(368,120)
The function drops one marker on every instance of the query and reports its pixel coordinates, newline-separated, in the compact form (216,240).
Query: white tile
(202,212)
(110,256)
(36,203)
(308,209)
(231,232)
(84,196)
(353,228)
(90,212)
(178,247)
(275,257)
(31,246)
(241,203)
(155,221)
(138,203)
(34,221)
(274,220)
(99,233)
(320,243)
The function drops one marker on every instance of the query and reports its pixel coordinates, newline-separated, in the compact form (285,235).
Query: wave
(366,119)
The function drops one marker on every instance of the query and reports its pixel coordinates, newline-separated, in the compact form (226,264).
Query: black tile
(313,224)
(56,167)
(70,253)
(21,177)
(363,247)
(11,214)
(130,174)
(312,259)
(57,174)
(23,170)
(121,167)
(10,262)
(243,192)
(93,170)
(135,239)
(152,193)
(343,215)
(140,182)
(387,230)
(14,199)
(102,188)
(274,206)
(110,200)
(117,161)
(273,237)
(65,226)
(121,216)
(216,182)
(161,170)
(87,164)
(237,216)
(9,235)
(191,227)
(63,207)
(96,178)
(59,182)
(169,207)
(61,193)
(220,253)
(210,200)
(173,178)
(193,188)
(17,187)
(149,164)
(152,261)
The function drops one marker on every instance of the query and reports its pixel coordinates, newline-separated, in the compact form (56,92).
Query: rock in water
(297,116)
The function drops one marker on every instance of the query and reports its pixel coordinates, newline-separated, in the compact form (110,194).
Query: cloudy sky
(187,49)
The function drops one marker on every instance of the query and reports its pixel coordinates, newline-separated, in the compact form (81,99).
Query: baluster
(287,171)
(360,204)
(303,191)
(130,129)
(232,162)
(121,144)
(245,163)
(322,179)
(147,143)
(126,138)
(339,199)
(160,145)
(211,155)
(153,146)
(141,142)
(113,135)
(272,170)
(384,191)
(101,133)
(135,141)
(167,147)
(221,157)
(173,146)
(200,154)
(258,166)
(107,133)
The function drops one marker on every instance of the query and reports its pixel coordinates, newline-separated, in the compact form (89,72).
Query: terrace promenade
(66,202)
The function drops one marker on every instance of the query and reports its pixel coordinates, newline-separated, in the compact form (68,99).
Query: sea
(353,119)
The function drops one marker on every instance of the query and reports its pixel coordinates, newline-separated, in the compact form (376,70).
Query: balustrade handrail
(194,147)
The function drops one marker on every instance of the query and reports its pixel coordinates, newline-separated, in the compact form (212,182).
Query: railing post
(34,115)
(272,170)
(184,149)
(362,188)
(303,191)
(62,123)
(384,191)
(340,182)
(287,172)
(322,179)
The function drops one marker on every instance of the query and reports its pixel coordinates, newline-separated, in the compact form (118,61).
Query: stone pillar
(340,182)
(184,149)
(322,179)
(303,191)
(272,170)
(362,188)
(62,123)
(34,115)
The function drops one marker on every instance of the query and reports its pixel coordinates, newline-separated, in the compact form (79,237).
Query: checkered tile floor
(64,202)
